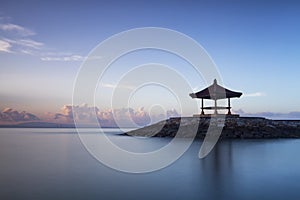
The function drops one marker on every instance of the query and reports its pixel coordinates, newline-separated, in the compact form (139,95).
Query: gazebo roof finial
(215,81)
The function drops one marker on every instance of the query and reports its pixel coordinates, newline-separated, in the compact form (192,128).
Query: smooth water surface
(53,164)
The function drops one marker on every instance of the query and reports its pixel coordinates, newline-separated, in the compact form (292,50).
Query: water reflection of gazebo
(215,92)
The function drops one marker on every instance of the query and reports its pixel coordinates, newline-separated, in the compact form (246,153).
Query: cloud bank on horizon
(270,115)
(123,117)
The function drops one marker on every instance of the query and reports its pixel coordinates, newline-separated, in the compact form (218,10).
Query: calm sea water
(53,164)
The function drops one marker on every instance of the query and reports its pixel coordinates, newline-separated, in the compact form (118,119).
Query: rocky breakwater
(233,128)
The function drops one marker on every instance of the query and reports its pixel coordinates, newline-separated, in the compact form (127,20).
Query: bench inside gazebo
(215,92)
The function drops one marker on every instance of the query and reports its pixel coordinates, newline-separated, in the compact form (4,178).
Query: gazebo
(215,92)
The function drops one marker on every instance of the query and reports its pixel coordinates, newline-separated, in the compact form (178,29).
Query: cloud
(256,94)
(64,58)
(123,117)
(5,46)
(18,39)
(25,43)
(20,30)
(68,58)
(30,43)
(270,115)
(130,117)
(172,113)
(35,48)
(84,113)
(113,86)
(9,115)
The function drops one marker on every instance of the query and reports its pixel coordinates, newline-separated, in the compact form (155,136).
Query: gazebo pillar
(216,112)
(229,112)
(202,107)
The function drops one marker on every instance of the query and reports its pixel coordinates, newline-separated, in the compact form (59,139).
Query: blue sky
(255,45)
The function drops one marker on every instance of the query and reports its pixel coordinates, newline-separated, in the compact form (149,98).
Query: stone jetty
(233,128)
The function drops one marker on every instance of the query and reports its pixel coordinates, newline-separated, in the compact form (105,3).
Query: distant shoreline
(51,125)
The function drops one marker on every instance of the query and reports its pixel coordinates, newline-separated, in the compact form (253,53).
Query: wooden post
(229,112)
(202,107)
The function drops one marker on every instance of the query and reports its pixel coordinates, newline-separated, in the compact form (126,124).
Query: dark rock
(233,127)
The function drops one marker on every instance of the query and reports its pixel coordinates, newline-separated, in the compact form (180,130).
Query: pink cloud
(9,115)
(5,46)
(123,117)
